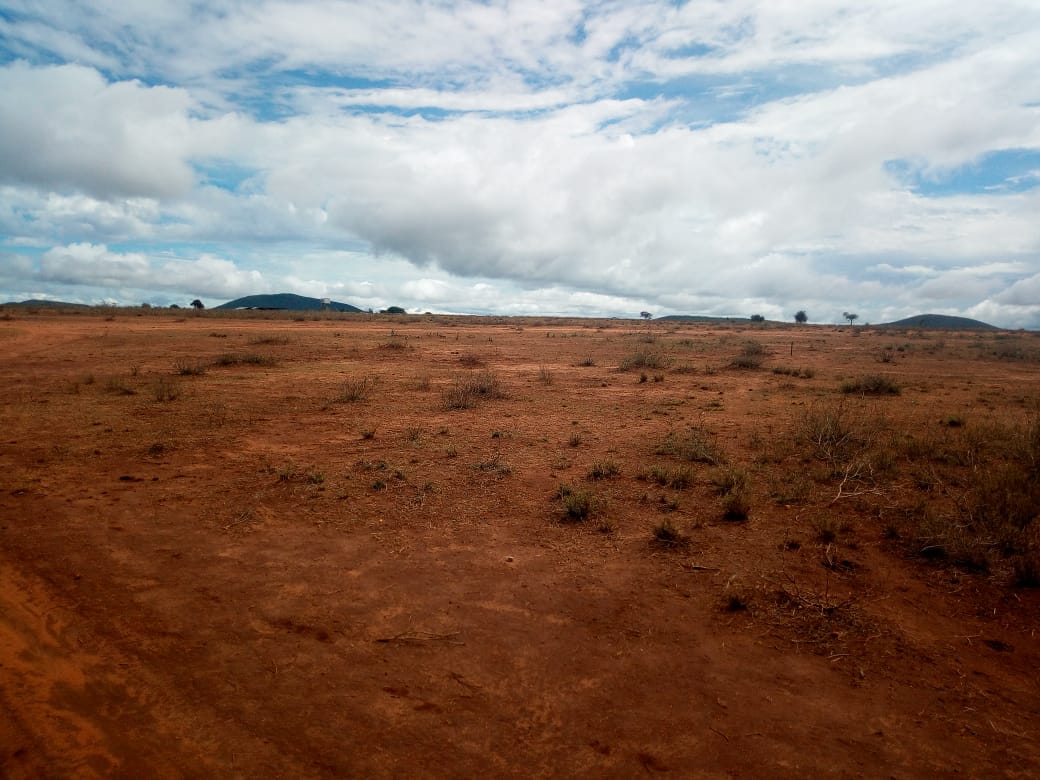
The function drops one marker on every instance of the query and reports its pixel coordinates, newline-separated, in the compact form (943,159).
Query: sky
(599,158)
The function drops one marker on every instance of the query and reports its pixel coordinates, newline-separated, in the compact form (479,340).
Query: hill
(939,322)
(48,304)
(286,301)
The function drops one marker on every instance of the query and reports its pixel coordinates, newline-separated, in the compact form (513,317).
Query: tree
(393,310)
(197,304)
(757,318)
(801,317)
(645,315)
(851,316)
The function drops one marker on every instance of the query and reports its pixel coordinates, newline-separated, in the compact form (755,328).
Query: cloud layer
(576,157)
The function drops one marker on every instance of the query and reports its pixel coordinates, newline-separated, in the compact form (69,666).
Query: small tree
(393,310)
(757,318)
(851,316)
(645,315)
(197,304)
(801,317)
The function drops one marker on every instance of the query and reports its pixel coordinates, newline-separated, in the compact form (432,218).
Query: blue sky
(726,157)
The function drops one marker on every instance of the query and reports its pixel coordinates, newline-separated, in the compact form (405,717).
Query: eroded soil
(214,563)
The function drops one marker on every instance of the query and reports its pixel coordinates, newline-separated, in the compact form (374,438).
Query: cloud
(64,127)
(97,266)
(708,157)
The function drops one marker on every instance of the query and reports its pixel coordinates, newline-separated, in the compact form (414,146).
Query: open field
(341,545)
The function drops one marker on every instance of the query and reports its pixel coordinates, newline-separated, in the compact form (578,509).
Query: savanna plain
(312,545)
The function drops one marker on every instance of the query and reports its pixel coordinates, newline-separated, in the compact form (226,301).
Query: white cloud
(274,143)
(96,265)
(65,127)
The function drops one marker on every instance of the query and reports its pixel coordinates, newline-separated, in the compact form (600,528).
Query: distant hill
(286,301)
(939,322)
(49,304)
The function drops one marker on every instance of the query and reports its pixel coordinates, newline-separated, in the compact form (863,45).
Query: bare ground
(217,560)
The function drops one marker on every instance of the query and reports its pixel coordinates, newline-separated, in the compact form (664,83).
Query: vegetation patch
(467,391)
(871,384)
(644,359)
(667,536)
(694,445)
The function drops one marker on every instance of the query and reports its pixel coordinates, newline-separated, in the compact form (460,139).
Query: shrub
(249,358)
(118,386)
(666,535)
(467,391)
(545,376)
(165,390)
(751,356)
(578,505)
(644,359)
(736,507)
(727,481)
(678,479)
(871,384)
(604,469)
(186,367)
(694,445)
(354,390)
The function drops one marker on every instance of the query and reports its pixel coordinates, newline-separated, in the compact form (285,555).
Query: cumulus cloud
(700,157)
(66,127)
(97,266)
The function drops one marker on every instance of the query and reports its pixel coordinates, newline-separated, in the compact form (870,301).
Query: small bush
(578,505)
(871,384)
(545,376)
(751,356)
(695,445)
(827,530)
(186,367)
(802,373)
(165,390)
(587,361)
(666,535)
(354,390)
(468,391)
(118,386)
(271,340)
(729,481)
(604,469)
(677,479)
(470,360)
(736,507)
(643,359)
(249,358)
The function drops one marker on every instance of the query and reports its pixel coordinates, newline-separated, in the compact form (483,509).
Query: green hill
(939,322)
(286,301)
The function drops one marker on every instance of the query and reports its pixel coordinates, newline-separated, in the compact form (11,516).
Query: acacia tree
(801,317)
(645,315)
(851,316)
(197,304)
